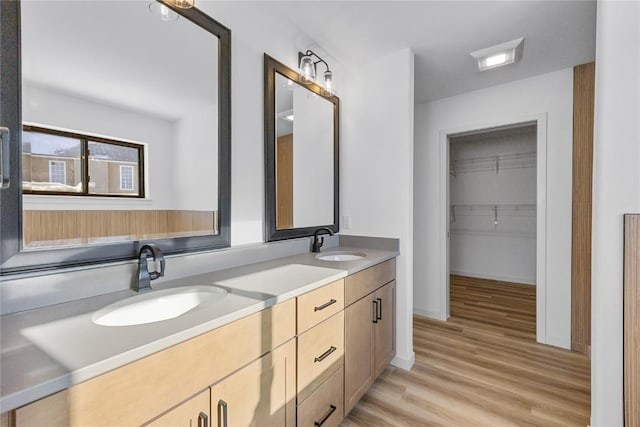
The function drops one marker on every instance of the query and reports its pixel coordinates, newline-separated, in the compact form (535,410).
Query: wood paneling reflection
(61,227)
(284,182)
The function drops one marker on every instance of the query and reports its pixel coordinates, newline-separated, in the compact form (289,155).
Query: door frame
(540,121)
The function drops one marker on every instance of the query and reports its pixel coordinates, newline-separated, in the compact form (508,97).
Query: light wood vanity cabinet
(260,394)
(369,329)
(305,362)
(195,412)
(146,390)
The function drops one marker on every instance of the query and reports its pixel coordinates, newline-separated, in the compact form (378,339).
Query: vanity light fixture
(308,62)
(499,55)
(183,4)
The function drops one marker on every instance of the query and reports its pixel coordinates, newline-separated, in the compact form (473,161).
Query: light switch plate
(346,222)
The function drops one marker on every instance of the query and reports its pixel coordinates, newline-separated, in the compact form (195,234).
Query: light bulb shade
(329,88)
(307,69)
(182,4)
(162,11)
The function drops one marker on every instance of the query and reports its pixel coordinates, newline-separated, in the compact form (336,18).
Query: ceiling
(558,34)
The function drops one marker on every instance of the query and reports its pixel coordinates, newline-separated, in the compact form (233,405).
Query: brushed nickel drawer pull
(222,413)
(379,315)
(325,354)
(325,305)
(203,420)
(332,409)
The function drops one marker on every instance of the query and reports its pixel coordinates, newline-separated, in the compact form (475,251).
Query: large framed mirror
(302,128)
(120,131)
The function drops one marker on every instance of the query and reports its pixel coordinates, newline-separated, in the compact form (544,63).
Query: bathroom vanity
(299,343)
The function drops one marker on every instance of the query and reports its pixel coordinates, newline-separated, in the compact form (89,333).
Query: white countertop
(52,348)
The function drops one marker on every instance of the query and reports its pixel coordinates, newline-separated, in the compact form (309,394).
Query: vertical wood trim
(583,100)
(632,320)
(284,182)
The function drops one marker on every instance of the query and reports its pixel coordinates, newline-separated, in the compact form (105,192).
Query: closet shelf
(490,209)
(493,163)
(494,233)
(496,211)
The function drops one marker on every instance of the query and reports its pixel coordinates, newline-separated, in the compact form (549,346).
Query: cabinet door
(192,413)
(358,348)
(261,394)
(385,330)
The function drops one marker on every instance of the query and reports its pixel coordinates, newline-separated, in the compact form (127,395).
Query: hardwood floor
(481,368)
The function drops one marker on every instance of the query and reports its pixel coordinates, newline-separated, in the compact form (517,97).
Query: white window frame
(64,171)
(122,187)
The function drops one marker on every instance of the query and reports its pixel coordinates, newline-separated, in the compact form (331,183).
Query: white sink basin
(341,256)
(157,305)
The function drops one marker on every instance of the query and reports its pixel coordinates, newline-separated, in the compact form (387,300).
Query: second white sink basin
(157,305)
(341,256)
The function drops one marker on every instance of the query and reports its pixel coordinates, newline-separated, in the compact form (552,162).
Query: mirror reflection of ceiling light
(308,72)
(286,115)
(162,11)
(499,55)
(165,13)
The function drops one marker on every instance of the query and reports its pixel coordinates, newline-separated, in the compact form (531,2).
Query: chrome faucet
(144,275)
(319,241)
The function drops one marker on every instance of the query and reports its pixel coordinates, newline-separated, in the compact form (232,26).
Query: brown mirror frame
(271,67)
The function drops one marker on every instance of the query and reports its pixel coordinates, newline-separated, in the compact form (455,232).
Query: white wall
(616,190)
(479,247)
(549,94)
(312,160)
(254,31)
(376,155)
(195,160)
(52,108)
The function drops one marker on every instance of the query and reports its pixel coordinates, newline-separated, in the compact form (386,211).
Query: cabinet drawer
(320,304)
(320,352)
(366,281)
(324,406)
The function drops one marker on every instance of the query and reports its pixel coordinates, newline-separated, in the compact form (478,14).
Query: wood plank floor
(481,368)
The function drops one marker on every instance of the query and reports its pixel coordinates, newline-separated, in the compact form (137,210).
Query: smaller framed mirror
(302,128)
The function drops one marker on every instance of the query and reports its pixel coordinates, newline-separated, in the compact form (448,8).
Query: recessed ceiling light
(499,55)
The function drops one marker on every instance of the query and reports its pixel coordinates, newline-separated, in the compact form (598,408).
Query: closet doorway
(492,205)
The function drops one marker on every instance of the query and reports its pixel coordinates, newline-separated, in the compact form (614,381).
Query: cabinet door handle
(379,315)
(325,305)
(324,355)
(325,417)
(222,413)
(203,420)
(375,311)
(5,158)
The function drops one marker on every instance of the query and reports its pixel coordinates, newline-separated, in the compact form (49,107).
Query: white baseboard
(521,280)
(431,314)
(405,363)
(559,342)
